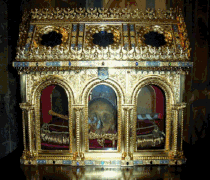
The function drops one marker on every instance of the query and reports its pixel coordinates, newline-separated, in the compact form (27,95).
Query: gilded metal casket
(94,130)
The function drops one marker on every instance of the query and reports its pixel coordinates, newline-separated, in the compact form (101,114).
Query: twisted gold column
(176,124)
(24,130)
(127,129)
(27,108)
(29,131)
(78,113)
(175,130)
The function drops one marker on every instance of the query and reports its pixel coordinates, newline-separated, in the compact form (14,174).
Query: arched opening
(102,118)
(151,116)
(54,119)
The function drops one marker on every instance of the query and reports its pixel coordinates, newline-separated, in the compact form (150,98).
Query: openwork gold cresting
(77,65)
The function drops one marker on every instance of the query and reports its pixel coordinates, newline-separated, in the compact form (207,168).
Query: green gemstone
(169,64)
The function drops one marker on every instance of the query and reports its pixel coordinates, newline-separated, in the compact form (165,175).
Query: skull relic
(102,116)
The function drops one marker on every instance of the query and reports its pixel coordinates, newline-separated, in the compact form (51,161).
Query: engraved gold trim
(169,95)
(36,94)
(120,97)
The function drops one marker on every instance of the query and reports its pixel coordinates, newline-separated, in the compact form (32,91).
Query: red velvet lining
(56,146)
(46,103)
(93,144)
(159,100)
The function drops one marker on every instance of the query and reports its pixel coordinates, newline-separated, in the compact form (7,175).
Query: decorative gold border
(91,29)
(36,94)
(164,29)
(170,99)
(120,99)
(40,30)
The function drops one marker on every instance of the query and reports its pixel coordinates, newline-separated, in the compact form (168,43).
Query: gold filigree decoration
(45,29)
(102,137)
(166,30)
(90,30)
(82,14)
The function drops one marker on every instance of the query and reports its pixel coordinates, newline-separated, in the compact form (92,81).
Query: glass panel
(54,119)
(150,127)
(102,118)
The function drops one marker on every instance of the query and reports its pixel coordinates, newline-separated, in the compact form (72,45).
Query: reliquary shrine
(102,86)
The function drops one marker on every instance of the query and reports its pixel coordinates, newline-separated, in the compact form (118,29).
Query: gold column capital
(179,106)
(79,108)
(128,108)
(26,106)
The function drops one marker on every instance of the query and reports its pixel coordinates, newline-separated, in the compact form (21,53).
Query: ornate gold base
(124,163)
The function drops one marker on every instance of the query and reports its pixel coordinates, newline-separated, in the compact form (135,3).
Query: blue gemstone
(102,162)
(132,27)
(81,27)
(175,28)
(77,163)
(79,46)
(69,63)
(125,27)
(137,63)
(27,45)
(113,162)
(74,27)
(118,162)
(155,63)
(31,28)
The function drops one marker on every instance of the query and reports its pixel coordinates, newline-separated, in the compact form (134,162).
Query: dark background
(197,90)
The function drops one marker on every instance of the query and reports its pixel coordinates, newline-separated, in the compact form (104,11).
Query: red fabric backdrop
(159,100)
(160,107)
(46,103)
